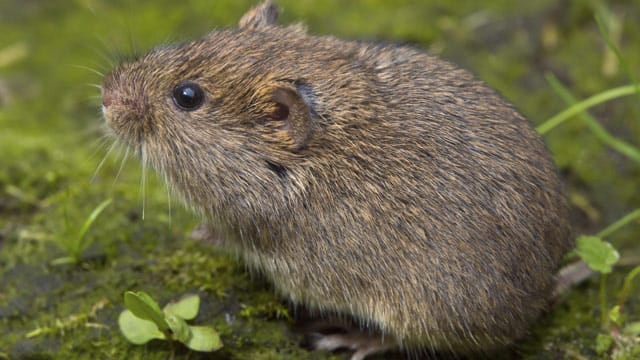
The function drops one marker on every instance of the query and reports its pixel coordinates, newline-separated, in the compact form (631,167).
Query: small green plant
(601,256)
(144,320)
(75,242)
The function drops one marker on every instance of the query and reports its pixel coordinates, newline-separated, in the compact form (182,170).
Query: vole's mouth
(109,116)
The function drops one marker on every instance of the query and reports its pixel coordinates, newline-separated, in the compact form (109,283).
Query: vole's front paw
(339,338)
(208,234)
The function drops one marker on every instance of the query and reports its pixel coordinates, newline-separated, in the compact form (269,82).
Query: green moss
(193,268)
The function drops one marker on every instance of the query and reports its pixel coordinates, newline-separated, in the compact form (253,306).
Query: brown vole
(366,180)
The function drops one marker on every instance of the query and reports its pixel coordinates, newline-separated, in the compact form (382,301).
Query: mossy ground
(51,144)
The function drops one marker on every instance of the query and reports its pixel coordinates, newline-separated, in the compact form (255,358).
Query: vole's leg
(331,336)
(208,234)
(362,344)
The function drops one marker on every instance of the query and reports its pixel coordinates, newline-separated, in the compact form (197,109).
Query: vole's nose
(109,89)
(107,98)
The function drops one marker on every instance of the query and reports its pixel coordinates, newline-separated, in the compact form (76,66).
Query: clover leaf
(599,255)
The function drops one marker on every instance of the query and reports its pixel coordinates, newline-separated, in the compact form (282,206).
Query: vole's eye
(188,96)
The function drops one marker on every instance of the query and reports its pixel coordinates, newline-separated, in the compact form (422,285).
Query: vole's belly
(401,310)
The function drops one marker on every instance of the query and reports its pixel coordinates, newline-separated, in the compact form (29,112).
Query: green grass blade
(88,222)
(626,287)
(634,215)
(598,130)
(585,104)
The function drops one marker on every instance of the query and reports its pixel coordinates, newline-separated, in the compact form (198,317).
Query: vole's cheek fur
(364,180)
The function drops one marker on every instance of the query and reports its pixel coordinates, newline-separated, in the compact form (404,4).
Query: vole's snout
(109,104)
(107,84)
(107,97)
(108,92)
(125,107)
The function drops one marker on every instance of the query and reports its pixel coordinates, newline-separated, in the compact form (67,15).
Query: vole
(365,180)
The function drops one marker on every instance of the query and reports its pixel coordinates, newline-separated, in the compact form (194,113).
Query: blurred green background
(52,141)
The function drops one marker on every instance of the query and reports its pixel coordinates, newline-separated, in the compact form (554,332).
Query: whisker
(88,69)
(133,46)
(91,101)
(89,6)
(103,53)
(122,162)
(143,179)
(169,205)
(95,173)
(99,65)
(98,144)
(95,100)
(98,129)
(92,85)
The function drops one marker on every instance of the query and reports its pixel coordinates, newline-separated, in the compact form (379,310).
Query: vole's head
(215,124)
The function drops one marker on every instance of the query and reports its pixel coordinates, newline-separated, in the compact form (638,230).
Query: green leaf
(599,255)
(179,328)
(204,338)
(603,343)
(615,316)
(144,307)
(632,329)
(186,308)
(136,330)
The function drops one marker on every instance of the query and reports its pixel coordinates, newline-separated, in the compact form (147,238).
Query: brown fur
(368,180)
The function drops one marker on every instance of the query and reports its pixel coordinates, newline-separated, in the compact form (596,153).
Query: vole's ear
(295,113)
(265,14)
